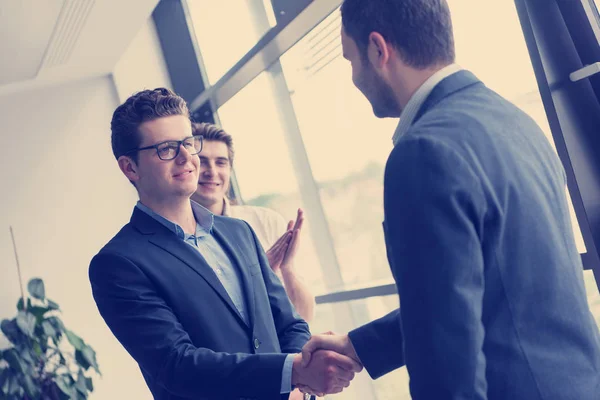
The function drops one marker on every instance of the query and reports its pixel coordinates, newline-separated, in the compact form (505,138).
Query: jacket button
(256,343)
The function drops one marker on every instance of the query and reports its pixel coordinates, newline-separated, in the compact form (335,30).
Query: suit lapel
(239,260)
(162,237)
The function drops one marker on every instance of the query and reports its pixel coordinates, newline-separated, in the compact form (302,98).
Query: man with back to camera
(190,295)
(477,228)
(281,240)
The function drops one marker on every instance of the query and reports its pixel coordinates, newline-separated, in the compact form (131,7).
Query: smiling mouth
(184,173)
(210,184)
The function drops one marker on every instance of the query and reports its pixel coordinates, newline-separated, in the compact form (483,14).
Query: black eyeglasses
(169,149)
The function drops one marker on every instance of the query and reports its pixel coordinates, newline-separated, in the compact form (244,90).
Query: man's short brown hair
(421,30)
(141,107)
(212,132)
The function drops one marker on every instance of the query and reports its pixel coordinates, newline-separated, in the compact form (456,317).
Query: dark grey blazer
(480,243)
(167,307)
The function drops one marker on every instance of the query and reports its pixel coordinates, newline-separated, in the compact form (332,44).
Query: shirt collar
(418,98)
(204,217)
(204,220)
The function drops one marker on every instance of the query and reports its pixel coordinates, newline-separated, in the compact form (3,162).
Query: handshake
(327,365)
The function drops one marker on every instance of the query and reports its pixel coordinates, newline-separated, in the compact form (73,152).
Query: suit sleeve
(292,330)
(379,345)
(148,329)
(434,208)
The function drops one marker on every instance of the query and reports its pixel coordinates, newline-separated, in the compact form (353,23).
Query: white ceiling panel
(25,30)
(46,42)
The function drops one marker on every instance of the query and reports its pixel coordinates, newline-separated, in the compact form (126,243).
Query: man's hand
(277,252)
(292,248)
(338,343)
(282,253)
(328,372)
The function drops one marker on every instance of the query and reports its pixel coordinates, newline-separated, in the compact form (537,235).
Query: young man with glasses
(188,294)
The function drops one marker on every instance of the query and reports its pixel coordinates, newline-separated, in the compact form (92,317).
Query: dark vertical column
(179,48)
(560,41)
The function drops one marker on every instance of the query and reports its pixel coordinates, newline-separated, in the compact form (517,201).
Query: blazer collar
(447,87)
(162,237)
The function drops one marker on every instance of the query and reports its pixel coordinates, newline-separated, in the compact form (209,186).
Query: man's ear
(129,168)
(378,50)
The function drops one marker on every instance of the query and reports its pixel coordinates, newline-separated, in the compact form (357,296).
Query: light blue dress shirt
(206,244)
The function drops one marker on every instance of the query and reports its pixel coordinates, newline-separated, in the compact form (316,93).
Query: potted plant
(40,364)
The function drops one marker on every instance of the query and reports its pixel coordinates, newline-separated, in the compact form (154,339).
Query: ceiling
(55,41)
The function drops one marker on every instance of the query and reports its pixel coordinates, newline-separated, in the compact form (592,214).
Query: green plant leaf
(36,288)
(80,385)
(48,328)
(4,374)
(13,386)
(54,392)
(63,384)
(11,330)
(52,305)
(25,356)
(13,360)
(26,322)
(20,304)
(30,387)
(75,340)
(56,323)
(37,349)
(90,355)
(38,312)
(82,360)
(89,384)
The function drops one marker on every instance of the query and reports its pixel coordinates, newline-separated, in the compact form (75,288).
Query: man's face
(364,76)
(215,171)
(160,181)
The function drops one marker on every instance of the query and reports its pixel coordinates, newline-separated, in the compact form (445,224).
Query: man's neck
(410,80)
(177,211)
(216,208)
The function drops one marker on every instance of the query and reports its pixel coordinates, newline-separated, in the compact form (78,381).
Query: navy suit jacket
(169,310)
(480,244)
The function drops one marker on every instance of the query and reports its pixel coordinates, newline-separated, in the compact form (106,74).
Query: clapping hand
(283,251)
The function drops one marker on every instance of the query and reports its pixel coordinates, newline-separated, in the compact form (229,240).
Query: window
(225,32)
(262,164)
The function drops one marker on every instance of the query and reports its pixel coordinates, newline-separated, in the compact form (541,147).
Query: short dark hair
(421,30)
(216,134)
(141,107)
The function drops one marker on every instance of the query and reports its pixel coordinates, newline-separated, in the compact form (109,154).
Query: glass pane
(347,148)
(262,163)
(225,31)
(347,145)
(591,287)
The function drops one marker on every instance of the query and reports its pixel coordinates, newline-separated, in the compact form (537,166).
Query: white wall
(142,66)
(65,197)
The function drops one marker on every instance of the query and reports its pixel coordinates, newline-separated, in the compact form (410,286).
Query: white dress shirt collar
(418,98)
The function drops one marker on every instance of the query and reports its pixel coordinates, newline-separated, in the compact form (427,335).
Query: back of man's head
(421,30)
(141,107)
(213,133)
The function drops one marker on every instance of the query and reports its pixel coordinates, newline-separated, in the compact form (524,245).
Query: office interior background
(271,73)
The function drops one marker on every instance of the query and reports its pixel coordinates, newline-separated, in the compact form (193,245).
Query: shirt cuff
(286,375)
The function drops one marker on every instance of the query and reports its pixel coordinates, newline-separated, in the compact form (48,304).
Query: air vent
(323,44)
(68,27)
